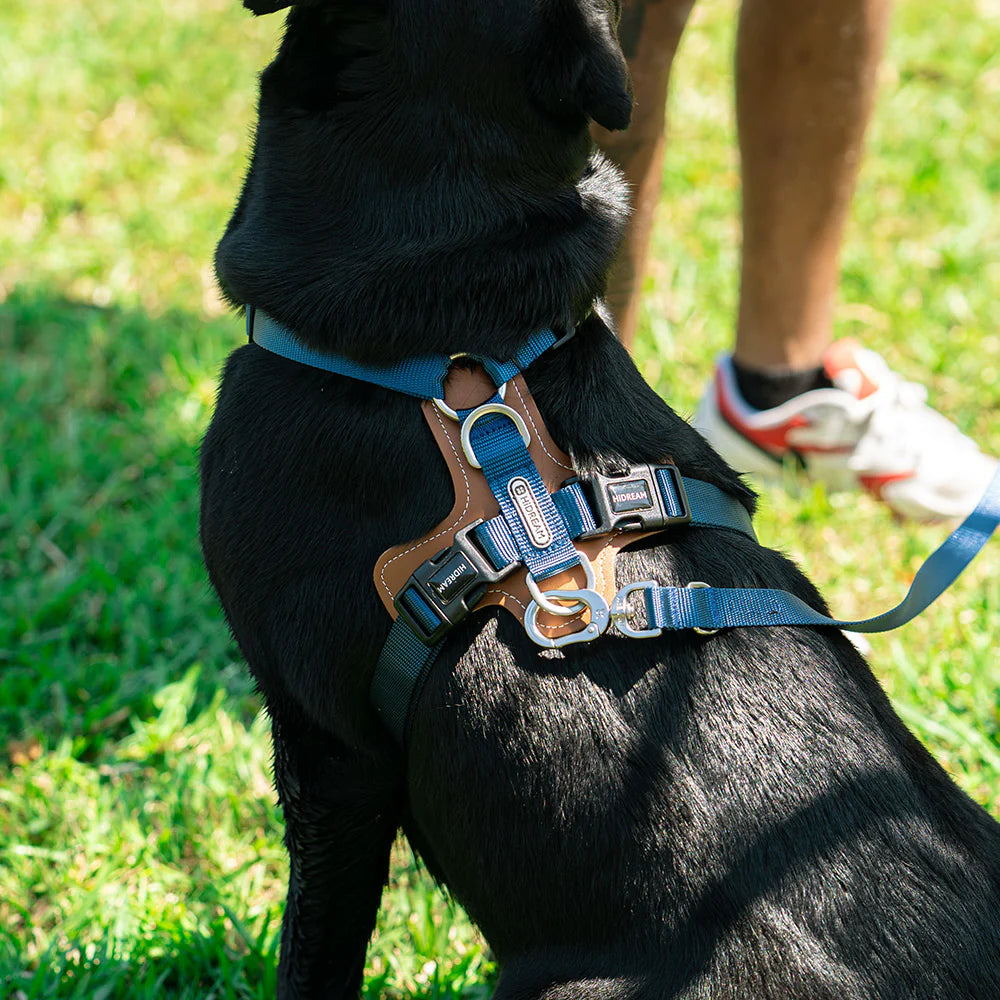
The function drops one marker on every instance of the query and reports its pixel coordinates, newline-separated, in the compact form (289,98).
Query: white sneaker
(872,431)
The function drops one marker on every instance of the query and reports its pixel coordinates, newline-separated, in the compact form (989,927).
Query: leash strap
(421,376)
(712,608)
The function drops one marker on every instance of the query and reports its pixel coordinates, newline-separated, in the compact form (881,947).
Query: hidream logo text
(462,570)
(529,512)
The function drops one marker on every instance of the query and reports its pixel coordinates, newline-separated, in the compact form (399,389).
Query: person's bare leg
(805,83)
(650,31)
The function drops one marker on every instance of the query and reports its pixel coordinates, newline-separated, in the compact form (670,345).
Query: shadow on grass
(103,597)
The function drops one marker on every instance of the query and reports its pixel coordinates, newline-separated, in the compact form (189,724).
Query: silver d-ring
(482,411)
(561,610)
(698,585)
(620,611)
(449,412)
(444,407)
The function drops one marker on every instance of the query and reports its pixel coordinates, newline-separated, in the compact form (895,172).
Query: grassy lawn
(140,846)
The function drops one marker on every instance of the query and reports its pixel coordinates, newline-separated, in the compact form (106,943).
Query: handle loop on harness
(482,411)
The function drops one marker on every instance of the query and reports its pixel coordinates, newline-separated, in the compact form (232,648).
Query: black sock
(764,390)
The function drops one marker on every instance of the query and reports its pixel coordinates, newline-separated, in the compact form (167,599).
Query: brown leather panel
(473,499)
(465,388)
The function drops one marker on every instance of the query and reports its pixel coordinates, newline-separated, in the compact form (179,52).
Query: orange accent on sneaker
(876,483)
(842,356)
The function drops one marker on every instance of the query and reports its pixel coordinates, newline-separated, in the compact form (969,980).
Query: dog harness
(522,516)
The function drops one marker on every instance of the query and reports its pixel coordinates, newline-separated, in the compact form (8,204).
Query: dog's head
(564,52)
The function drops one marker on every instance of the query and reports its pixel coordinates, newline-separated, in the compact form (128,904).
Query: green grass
(140,850)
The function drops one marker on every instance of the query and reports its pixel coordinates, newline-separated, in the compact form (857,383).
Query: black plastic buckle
(451,583)
(635,500)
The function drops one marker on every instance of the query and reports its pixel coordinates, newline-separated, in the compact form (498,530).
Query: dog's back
(740,815)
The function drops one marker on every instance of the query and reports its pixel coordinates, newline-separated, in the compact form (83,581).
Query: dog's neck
(378,223)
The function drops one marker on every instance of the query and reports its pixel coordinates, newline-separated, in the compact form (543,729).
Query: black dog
(741,815)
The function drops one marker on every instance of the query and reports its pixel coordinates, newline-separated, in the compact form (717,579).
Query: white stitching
(538,437)
(443,531)
(600,571)
(512,597)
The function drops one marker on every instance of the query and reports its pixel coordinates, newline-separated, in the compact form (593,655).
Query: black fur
(734,816)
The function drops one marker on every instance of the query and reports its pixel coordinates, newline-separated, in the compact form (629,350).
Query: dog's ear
(584,67)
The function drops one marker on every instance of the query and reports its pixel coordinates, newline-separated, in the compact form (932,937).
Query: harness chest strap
(474,500)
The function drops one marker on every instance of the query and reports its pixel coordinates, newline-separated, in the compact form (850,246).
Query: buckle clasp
(449,584)
(645,497)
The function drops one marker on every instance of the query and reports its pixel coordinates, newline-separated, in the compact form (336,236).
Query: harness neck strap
(422,376)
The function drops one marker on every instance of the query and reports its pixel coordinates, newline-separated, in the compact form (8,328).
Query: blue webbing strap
(719,607)
(497,543)
(543,545)
(399,675)
(711,507)
(422,377)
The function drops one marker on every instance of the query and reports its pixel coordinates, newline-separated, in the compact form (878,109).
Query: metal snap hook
(590,600)
(698,585)
(482,411)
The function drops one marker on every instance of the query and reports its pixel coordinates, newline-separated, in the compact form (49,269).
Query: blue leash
(713,608)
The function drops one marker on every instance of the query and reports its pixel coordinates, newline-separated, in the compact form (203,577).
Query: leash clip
(621,611)
(577,602)
(589,599)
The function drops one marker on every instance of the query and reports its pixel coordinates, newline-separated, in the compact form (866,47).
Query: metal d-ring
(482,411)
(445,408)
(449,412)
(698,585)
(590,599)
(562,610)
(620,611)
